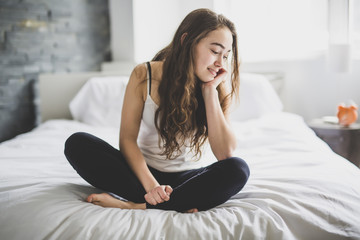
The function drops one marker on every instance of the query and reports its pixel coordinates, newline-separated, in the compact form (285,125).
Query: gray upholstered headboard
(57,90)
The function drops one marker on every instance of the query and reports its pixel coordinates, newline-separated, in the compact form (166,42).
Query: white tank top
(151,145)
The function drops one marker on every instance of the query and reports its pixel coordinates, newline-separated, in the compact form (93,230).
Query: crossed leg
(104,167)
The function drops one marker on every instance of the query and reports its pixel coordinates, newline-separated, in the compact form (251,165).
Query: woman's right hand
(158,194)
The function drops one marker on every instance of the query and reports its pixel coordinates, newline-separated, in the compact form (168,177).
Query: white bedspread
(298,189)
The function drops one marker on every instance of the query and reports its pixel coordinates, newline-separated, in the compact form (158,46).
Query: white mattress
(298,189)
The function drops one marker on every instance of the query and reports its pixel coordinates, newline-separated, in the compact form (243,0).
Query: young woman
(174,107)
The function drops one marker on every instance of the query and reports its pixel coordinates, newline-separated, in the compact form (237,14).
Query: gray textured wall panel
(39,36)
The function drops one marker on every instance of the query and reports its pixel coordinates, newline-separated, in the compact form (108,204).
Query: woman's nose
(219,62)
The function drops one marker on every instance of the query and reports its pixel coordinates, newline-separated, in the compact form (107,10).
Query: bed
(298,188)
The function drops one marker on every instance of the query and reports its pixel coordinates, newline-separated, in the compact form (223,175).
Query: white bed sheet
(298,189)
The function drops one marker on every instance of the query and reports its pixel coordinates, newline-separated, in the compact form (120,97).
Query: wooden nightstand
(345,141)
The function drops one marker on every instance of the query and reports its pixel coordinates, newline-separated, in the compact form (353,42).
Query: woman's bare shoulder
(137,81)
(139,73)
(138,78)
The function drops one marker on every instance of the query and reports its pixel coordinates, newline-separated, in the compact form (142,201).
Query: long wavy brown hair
(181,117)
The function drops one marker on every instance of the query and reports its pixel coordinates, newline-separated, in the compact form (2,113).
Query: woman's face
(211,54)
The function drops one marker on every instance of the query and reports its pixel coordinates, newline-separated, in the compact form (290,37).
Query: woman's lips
(213,72)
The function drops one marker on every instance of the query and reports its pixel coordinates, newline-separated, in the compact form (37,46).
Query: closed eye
(216,53)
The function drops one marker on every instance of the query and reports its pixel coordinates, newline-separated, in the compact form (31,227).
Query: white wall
(155,23)
(122,30)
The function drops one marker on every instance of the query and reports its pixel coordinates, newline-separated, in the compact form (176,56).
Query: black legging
(105,167)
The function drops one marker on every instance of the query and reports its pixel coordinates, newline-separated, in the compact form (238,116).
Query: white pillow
(257,98)
(99,101)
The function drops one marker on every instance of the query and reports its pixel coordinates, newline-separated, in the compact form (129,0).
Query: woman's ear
(183,37)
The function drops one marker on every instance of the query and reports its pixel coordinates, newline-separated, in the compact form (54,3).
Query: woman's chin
(207,79)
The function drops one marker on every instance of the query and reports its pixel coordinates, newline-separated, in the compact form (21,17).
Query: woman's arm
(133,106)
(221,138)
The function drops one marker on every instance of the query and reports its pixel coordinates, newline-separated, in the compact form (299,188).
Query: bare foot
(106,200)
(193,210)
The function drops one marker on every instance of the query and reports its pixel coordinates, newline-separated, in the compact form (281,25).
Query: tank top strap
(148,78)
